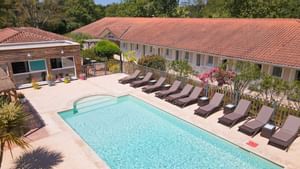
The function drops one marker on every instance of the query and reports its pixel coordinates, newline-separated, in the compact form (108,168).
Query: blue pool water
(131,134)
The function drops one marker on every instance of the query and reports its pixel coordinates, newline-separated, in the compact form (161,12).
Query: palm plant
(12,120)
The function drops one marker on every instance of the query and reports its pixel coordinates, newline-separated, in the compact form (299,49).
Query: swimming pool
(128,133)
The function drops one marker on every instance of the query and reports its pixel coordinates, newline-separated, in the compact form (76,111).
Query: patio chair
(212,107)
(173,89)
(142,82)
(184,93)
(130,78)
(285,136)
(252,127)
(157,86)
(191,99)
(239,114)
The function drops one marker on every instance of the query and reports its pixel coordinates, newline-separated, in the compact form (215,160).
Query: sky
(105,2)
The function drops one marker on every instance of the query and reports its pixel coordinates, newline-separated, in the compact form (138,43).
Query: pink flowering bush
(219,75)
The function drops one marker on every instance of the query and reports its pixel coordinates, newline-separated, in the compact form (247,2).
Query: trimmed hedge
(155,62)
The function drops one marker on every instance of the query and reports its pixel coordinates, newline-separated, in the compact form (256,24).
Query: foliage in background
(182,67)
(271,88)
(12,120)
(294,94)
(79,37)
(62,16)
(106,49)
(154,61)
(90,53)
(130,56)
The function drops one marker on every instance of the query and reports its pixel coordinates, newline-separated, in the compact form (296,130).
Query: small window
(158,51)
(277,71)
(137,47)
(68,62)
(144,50)
(124,45)
(20,67)
(210,61)
(131,46)
(167,52)
(198,61)
(151,49)
(187,56)
(37,65)
(297,75)
(177,55)
(259,66)
(56,63)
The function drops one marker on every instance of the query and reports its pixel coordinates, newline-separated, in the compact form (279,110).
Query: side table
(268,130)
(228,108)
(202,101)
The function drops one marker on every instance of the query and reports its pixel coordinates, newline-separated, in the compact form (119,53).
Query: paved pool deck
(58,136)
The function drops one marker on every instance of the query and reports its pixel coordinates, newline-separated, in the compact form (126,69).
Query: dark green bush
(155,62)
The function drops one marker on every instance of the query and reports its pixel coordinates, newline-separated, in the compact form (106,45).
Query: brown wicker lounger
(184,93)
(142,82)
(254,126)
(191,99)
(157,86)
(240,113)
(173,89)
(130,78)
(212,107)
(287,133)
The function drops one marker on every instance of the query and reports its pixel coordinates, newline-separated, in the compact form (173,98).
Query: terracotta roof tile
(275,41)
(27,34)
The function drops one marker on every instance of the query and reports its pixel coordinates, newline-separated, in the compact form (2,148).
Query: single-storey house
(273,44)
(28,54)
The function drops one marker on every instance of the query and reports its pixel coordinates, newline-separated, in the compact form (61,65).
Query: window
(137,47)
(151,49)
(37,65)
(158,51)
(144,50)
(131,46)
(124,45)
(297,75)
(167,52)
(277,71)
(65,62)
(177,55)
(56,63)
(187,56)
(20,67)
(68,62)
(259,66)
(198,60)
(210,61)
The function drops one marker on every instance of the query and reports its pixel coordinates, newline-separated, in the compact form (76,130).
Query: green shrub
(155,62)
(106,49)
(182,67)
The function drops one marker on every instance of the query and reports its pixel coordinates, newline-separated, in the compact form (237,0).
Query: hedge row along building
(273,44)
(28,54)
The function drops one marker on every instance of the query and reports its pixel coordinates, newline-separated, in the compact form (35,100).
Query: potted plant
(50,80)
(34,84)
(67,79)
(21,97)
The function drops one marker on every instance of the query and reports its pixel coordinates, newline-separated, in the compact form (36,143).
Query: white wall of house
(202,62)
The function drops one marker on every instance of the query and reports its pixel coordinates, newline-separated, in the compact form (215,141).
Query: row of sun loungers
(283,137)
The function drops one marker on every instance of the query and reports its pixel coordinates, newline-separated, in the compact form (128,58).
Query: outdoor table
(228,108)
(268,130)
(202,101)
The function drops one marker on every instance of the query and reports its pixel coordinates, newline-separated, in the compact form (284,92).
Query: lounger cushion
(254,124)
(204,110)
(229,118)
(283,135)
